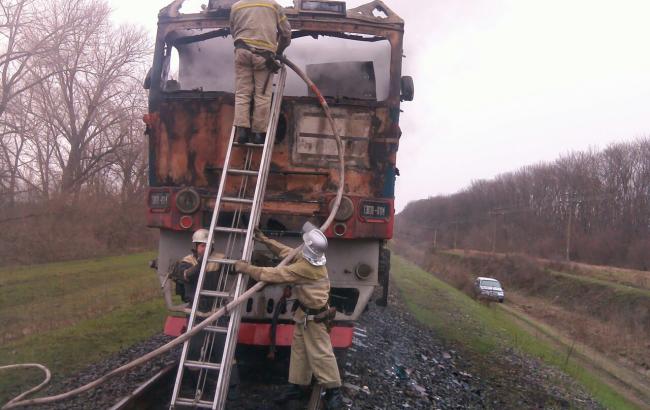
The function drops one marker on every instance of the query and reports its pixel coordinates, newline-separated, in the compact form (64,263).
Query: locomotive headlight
(346,209)
(363,271)
(188,200)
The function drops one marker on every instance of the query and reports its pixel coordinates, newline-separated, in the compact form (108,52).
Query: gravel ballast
(394,363)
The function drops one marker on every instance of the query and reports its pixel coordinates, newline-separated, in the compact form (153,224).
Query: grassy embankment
(68,315)
(483,331)
(612,317)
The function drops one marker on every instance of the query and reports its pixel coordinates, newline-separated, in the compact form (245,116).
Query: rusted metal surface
(190,137)
(189,130)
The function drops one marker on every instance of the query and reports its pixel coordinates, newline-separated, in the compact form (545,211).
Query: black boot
(293,392)
(243,135)
(334,399)
(259,137)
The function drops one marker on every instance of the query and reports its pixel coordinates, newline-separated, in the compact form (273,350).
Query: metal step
(222,261)
(247,145)
(202,404)
(230,230)
(245,201)
(243,172)
(216,329)
(193,364)
(215,294)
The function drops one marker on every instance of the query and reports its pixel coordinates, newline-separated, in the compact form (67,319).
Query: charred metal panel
(189,140)
(190,137)
(315,144)
(351,79)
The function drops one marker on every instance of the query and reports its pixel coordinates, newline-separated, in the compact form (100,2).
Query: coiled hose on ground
(20,400)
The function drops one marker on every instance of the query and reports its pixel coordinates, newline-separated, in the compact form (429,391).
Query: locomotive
(354,56)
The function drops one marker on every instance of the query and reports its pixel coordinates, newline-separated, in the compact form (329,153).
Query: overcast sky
(504,83)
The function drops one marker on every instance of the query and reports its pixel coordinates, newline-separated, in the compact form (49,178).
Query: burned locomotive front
(354,57)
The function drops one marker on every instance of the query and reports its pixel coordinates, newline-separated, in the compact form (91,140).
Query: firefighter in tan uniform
(311,348)
(260,29)
(186,271)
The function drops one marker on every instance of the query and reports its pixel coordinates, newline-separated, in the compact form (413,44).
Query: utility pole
(568,233)
(495,213)
(455,233)
(572,204)
(435,239)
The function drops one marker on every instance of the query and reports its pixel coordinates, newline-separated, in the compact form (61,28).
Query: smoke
(336,50)
(209,64)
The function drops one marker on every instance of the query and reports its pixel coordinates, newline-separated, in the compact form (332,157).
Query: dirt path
(628,382)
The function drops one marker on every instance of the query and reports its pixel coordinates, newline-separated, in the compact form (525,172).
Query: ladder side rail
(260,188)
(273,126)
(199,285)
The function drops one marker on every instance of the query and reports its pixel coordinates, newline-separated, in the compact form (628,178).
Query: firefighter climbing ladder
(229,285)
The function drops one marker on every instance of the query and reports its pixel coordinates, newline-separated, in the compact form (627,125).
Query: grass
(484,331)
(76,314)
(618,287)
(39,298)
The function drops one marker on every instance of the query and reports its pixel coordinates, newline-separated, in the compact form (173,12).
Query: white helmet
(315,245)
(200,236)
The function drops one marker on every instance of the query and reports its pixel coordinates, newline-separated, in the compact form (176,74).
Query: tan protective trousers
(311,353)
(251,78)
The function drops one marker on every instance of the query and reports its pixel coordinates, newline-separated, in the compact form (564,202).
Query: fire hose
(20,400)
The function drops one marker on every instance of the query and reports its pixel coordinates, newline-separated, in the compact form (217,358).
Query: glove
(242,266)
(273,65)
(259,235)
(193,271)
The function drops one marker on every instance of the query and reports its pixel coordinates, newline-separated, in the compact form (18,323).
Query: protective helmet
(315,245)
(200,236)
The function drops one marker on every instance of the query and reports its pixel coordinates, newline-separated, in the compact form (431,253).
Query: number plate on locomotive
(159,200)
(378,211)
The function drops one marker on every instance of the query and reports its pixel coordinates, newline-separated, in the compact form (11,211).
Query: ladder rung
(215,294)
(243,172)
(193,364)
(203,404)
(230,230)
(237,200)
(216,329)
(222,261)
(248,144)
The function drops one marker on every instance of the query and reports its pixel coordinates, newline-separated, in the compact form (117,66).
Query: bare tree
(29,31)
(85,103)
(591,206)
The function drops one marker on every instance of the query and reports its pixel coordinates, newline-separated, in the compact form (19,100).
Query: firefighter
(311,349)
(186,271)
(260,29)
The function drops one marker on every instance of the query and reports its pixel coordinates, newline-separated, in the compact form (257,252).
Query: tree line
(72,152)
(591,206)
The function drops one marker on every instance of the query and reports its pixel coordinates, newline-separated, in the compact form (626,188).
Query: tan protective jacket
(311,285)
(261,24)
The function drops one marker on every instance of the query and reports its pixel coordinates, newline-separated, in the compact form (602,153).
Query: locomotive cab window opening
(201,65)
(342,68)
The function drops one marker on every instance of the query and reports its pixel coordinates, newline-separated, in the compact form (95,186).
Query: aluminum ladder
(214,360)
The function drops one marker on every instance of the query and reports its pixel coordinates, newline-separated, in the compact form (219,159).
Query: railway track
(155,393)
(150,394)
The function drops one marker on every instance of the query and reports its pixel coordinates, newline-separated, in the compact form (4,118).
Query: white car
(489,288)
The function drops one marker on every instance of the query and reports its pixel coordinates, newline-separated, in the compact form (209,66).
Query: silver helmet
(315,245)
(200,236)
